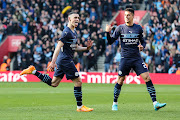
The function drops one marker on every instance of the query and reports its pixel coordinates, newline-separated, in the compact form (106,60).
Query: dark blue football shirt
(129,36)
(69,38)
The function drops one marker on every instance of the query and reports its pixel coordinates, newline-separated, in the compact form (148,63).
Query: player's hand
(108,28)
(89,44)
(140,47)
(51,67)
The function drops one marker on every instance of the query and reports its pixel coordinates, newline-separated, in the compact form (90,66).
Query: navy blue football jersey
(69,38)
(130,37)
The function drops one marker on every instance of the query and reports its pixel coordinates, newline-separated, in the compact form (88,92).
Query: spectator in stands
(172,69)
(177,58)
(112,69)
(158,59)
(107,61)
(166,62)
(5,66)
(147,57)
(117,57)
(29,57)
(99,8)
(48,54)
(23,63)
(96,54)
(84,63)
(24,28)
(37,58)
(91,59)
(38,48)
(178,71)
(150,66)
(159,69)
(116,5)
(109,10)
(93,13)
(19,62)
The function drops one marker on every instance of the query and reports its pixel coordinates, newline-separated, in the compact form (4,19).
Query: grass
(37,101)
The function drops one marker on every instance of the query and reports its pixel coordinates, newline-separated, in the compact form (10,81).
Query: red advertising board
(14,42)
(96,77)
(138,15)
(10,44)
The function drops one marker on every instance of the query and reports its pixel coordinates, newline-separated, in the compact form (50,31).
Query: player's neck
(71,27)
(130,24)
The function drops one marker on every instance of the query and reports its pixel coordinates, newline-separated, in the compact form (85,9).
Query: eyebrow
(76,17)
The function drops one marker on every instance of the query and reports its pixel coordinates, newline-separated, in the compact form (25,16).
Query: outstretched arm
(89,45)
(55,55)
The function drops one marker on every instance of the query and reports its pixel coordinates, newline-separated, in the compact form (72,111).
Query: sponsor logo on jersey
(120,72)
(129,35)
(76,73)
(130,39)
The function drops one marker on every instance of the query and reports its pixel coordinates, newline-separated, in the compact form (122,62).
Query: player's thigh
(77,82)
(124,67)
(55,81)
(70,70)
(59,72)
(58,75)
(139,66)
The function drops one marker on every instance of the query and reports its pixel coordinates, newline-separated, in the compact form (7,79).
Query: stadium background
(41,23)
(29,30)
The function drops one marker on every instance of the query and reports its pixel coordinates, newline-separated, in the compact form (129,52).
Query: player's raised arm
(89,45)
(115,35)
(55,55)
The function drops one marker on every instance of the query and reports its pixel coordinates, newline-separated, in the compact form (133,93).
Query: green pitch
(37,101)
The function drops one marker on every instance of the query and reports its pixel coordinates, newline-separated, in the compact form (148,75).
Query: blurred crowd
(162,34)
(42,22)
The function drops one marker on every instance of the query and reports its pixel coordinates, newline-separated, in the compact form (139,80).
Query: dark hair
(130,10)
(72,13)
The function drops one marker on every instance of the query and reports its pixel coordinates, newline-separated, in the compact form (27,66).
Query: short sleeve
(63,37)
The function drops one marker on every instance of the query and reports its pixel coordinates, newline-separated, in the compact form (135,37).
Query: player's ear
(69,19)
